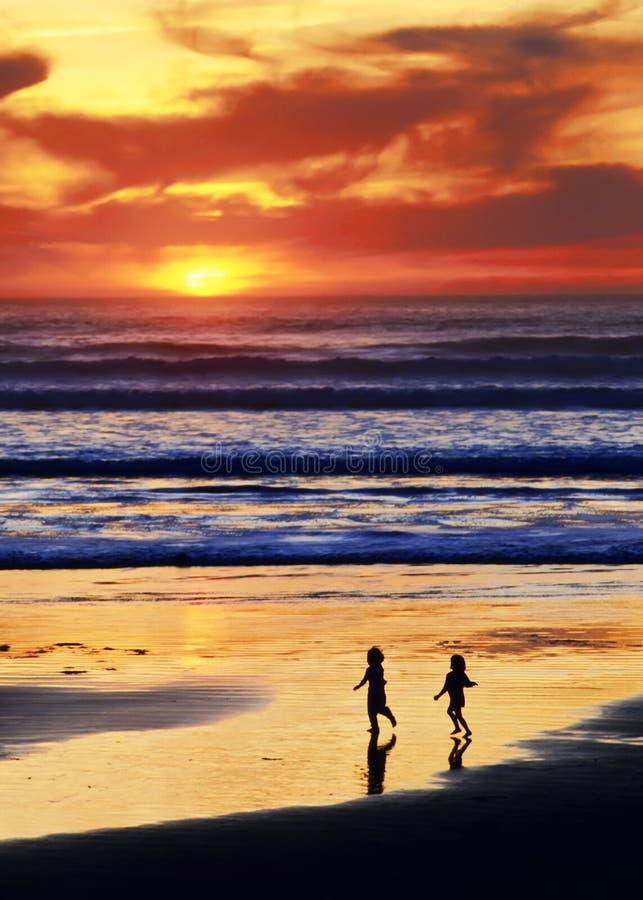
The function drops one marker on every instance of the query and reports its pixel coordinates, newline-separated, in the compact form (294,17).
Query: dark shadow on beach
(33,715)
(376,760)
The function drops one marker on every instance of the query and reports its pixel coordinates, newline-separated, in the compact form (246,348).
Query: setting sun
(203,282)
(201,274)
(212,271)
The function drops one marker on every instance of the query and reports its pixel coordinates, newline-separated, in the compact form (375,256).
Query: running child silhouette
(454,685)
(376,700)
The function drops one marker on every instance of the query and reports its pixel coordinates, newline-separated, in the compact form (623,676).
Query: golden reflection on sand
(545,644)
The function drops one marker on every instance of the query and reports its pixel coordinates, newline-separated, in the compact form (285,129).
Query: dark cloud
(501,132)
(578,203)
(21,70)
(477,42)
(182,24)
(512,129)
(314,115)
(543,51)
(540,37)
(518,83)
(331,176)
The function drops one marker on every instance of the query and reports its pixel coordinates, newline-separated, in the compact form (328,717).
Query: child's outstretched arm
(470,683)
(443,691)
(362,682)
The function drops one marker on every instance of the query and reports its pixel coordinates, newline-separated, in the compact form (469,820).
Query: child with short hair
(376,700)
(454,684)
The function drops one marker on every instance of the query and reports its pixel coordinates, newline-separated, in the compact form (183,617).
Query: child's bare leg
(467,730)
(454,718)
(372,718)
(389,715)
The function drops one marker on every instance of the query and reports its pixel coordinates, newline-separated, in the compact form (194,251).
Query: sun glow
(205,282)
(207,273)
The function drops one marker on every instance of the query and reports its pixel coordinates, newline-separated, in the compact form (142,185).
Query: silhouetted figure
(376,702)
(376,759)
(455,756)
(454,685)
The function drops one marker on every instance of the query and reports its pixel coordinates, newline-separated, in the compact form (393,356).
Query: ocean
(321,431)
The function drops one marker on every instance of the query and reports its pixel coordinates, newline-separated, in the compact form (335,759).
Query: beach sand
(566,822)
(181,729)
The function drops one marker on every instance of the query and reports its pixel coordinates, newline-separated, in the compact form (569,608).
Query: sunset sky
(319,147)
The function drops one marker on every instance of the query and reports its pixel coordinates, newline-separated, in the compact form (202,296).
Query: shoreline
(188,560)
(566,818)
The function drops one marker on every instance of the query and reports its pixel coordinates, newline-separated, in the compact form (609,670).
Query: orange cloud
(501,105)
(576,203)
(314,115)
(514,109)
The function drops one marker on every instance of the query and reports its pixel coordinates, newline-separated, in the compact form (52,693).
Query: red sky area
(295,154)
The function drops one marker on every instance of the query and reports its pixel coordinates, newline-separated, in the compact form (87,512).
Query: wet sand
(183,728)
(566,820)
(43,715)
